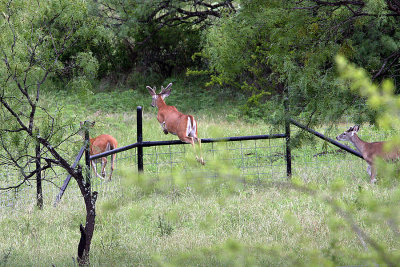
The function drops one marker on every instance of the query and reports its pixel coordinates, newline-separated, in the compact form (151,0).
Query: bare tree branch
(167,13)
(393,58)
(364,238)
(393,6)
(19,105)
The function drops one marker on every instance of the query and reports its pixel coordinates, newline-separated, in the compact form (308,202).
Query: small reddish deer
(100,144)
(174,122)
(369,151)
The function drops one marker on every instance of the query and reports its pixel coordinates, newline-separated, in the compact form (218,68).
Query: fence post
(87,153)
(66,181)
(287,133)
(39,191)
(139,128)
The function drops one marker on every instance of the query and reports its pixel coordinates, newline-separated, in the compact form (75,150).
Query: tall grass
(140,222)
(178,216)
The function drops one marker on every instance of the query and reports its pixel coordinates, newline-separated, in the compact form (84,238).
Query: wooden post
(87,153)
(66,181)
(139,138)
(287,133)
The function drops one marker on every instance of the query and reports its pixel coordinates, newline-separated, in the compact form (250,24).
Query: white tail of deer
(174,122)
(369,151)
(100,144)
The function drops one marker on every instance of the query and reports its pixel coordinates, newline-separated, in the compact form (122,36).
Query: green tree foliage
(38,51)
(381,98)
(271,46)
(386,103)
(160,35)
(38,48)
(43,29)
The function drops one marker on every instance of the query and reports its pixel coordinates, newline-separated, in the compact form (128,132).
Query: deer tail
(110,146)
(191,129)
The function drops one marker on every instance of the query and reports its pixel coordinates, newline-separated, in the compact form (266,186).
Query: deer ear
(166,91)
(151,90)
(356,128)
(168,86)
(87,124)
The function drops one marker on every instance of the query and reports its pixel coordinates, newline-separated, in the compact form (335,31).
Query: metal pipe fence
(258,157)
(254,159)
(140,144)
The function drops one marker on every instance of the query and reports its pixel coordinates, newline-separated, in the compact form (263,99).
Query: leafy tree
(159,35)
(386,103)
(270,48)
(33,52)
(367,30)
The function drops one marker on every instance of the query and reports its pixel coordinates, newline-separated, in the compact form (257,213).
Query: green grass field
(220,214)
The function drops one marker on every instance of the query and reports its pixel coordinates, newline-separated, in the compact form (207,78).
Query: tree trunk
(39,191)
(87,231)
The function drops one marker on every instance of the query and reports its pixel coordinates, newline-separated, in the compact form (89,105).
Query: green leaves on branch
(381,98)
(269,45)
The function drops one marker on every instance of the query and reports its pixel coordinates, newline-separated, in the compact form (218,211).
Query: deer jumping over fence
(100,144)
(174,122)
(369,151)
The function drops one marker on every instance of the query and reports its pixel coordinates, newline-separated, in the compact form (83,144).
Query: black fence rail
(323,137)
(281,152)
(140,144)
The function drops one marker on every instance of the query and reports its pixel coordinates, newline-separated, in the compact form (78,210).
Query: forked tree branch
(364,238)
(24,87)
(392,6)
(166,13)
(392,59)
(21,107)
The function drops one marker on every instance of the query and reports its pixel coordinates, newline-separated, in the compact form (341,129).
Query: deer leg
(95,170)
(200,160)
(190,140)
(198,141)
(112,166)
(164,128)
(372,173)
(103,167)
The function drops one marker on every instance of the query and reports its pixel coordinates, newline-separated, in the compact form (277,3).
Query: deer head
(85,125)
(163,94)
(347,135)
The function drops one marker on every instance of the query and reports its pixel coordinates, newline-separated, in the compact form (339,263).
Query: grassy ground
(219,225)
(178,216)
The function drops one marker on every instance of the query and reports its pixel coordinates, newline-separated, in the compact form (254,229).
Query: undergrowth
(180,218)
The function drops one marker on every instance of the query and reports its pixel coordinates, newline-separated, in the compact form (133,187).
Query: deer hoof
(201,160)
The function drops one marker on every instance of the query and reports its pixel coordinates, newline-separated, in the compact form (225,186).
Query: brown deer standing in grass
(100,144)
(369,151)
(174,122)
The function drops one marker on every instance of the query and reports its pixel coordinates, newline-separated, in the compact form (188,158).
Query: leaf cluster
(288,48)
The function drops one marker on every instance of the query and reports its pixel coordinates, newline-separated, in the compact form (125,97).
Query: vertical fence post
(39,191)
(139,139)
(287,133)
(87,152)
